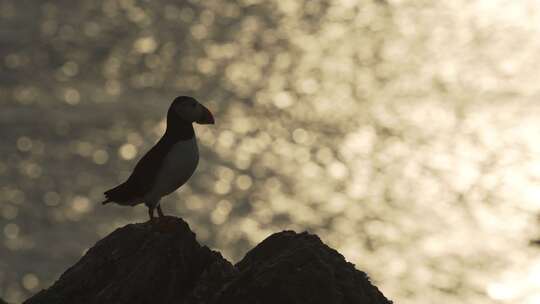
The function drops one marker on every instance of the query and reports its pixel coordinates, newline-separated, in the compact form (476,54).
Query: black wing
(141,180)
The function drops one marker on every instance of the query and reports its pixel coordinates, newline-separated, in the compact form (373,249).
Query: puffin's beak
(206,118)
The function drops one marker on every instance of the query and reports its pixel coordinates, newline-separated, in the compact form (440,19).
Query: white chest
(178,166)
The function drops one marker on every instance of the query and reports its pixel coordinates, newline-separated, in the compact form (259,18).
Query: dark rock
(289,267)
(138,263)
(163,263)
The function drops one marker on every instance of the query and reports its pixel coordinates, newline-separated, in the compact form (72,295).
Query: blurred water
(404,133)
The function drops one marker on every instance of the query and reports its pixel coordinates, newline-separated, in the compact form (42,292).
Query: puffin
(169,163)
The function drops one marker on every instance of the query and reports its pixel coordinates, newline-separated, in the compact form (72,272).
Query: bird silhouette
(170,162)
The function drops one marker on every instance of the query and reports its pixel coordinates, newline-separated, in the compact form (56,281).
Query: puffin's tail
(122,195)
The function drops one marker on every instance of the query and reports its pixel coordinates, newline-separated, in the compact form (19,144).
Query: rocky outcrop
(138,263)
(163,263)
(289,267)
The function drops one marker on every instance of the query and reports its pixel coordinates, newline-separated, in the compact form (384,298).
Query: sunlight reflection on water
(404,133)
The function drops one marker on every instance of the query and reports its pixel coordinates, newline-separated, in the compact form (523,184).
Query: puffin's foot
(161,223)
(159,211)
(151,214)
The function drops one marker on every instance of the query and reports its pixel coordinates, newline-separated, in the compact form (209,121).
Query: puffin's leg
(151,204)
(151,213)
(159,211)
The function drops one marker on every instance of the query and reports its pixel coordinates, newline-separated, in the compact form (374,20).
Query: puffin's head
(188,109)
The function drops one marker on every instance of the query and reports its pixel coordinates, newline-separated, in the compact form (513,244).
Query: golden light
(404,133)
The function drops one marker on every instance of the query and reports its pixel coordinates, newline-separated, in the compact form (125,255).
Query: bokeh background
(405,133)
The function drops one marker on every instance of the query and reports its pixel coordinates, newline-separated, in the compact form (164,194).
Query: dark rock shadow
(162,262)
